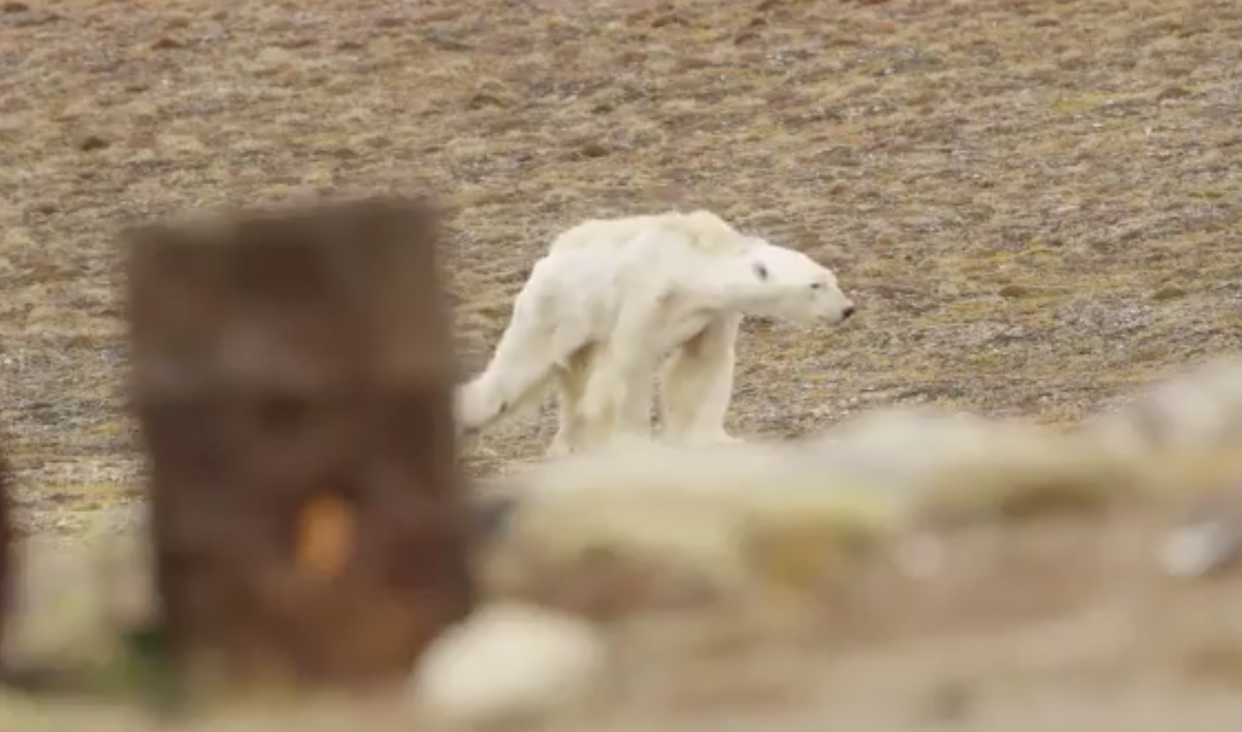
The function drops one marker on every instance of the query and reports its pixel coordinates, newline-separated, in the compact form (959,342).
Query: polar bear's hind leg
(571,382)
(520,370)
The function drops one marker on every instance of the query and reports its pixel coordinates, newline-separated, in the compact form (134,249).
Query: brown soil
(1035,203)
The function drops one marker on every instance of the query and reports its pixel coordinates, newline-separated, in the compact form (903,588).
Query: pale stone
(510,661)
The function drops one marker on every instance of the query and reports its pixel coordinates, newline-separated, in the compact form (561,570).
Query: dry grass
(1035,205)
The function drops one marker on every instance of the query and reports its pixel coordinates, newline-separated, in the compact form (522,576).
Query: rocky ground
(1035,204)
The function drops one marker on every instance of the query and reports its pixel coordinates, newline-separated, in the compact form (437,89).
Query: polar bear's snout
(841,314)
(833,305)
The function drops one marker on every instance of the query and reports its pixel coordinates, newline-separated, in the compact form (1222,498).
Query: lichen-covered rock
(1193,410)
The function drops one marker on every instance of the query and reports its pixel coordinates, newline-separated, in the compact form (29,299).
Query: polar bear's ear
(761,271)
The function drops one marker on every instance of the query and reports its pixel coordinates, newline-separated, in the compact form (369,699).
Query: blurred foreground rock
(75,599)
(1193,412)
(736,515)
(651,575)
(510,662)
(1187,428)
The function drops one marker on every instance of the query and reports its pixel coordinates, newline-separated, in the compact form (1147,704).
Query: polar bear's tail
(494,394)
(523,366)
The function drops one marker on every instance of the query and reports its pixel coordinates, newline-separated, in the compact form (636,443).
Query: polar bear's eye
(817,285)
(761,271)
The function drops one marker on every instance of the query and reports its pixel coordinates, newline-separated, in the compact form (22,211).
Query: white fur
(613,298)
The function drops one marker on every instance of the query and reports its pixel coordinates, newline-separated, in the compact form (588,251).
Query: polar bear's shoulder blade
(700,231)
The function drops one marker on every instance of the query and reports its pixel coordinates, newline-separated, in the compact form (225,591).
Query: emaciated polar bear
(613,298)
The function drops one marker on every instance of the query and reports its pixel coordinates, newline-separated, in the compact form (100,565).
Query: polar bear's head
(784,284)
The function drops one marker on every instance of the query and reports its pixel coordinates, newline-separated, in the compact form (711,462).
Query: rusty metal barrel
(292,379)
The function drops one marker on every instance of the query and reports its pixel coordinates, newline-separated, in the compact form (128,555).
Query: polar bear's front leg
(637,417)
(697,385)
(618,387)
